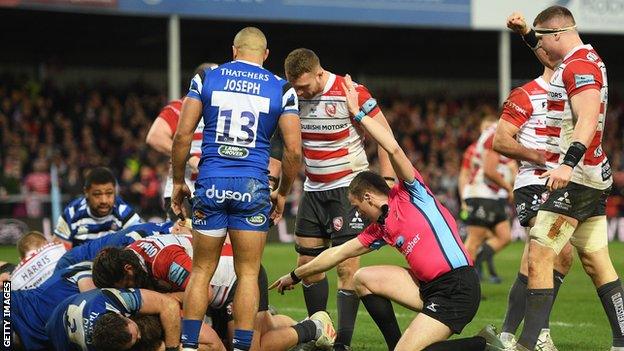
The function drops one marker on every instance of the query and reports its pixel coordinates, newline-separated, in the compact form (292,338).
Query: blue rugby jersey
(78,225)
(242,103)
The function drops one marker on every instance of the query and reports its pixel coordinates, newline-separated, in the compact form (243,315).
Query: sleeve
(63,229)
(363,95)
(581,75)
(371,237)
(127,301)
(489,142)
(197,85)
(467,157)
(127,214)
(517,109)
(171,115)
(173,265)
(277,145)
(416,189)
(290,101)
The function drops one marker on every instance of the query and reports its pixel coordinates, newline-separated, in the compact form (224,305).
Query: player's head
(182,227)
(119,268)
(303,70)
(99,190)
(368,192)
(555,27)
(250,44)
(204,66)
(487,121)
(31,241)
(114,332)
(151,332)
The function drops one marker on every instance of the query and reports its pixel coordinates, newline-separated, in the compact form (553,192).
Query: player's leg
(210,228)
(376,286)
(516,302)
(591,242)
(475,237)
(548,237)
(477,225)
(281,338)
(346,223)
(422,332)
(311,238)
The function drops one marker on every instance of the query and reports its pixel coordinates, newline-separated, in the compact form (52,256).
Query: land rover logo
(257,220)
(233,151)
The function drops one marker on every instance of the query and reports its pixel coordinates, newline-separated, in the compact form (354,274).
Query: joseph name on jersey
(171,115)
(333,147)
(525,108)
(479,185)
(78,225)
(580,70)
(36,267)
(241,104)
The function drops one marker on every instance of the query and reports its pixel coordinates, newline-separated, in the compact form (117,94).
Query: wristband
(358,117)
(530,39)
(294,277)
(574,154)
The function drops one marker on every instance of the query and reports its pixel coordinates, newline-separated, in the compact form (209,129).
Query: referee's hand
(283,283)
(180,191)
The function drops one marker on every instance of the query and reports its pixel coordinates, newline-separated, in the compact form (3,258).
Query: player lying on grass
(165,261)
(440,283)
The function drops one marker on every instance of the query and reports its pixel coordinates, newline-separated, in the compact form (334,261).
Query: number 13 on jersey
(238,118)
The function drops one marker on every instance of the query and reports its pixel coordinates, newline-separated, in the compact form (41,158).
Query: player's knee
(360,281)
(551,230)
(539,257)
(564,259)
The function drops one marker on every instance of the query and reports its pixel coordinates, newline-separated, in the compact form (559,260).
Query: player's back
(242,103)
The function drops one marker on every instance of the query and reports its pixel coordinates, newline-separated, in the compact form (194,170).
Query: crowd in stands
(82,126)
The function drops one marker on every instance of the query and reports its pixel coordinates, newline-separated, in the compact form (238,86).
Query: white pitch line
(410,316)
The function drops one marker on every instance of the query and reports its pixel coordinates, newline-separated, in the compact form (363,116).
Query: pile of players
(129,282)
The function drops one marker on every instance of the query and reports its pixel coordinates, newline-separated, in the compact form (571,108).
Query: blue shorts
(238,203)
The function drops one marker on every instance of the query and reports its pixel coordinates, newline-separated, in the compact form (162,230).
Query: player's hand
(352,96)
(283,283)
(558,178)
(279,202)
(193,162)
(517,23)
(179,193)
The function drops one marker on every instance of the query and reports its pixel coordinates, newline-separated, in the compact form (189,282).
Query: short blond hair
(299,62)
(250,39)
(30,241)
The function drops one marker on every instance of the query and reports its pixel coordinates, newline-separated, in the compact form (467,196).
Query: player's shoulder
(76,208)
(121,207)
(582,55)
(537,86)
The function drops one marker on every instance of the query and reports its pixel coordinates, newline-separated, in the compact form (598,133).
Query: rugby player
(333,149)
(521,135)
(579,174)
(38,260)
(440,283)
(242,104)
(160,138)
(99,212)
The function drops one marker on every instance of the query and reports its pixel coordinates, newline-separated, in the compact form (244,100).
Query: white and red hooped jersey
(525,108)
(37,266)
(479,186)
(171,115)
(333,147)
(581,69)
(173,269)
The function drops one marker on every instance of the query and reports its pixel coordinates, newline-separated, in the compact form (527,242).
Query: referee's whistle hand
(282,284)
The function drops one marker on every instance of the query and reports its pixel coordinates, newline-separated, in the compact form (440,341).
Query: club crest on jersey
(256,220)
(233,151)
(330,108)
(198,215)
(337,222)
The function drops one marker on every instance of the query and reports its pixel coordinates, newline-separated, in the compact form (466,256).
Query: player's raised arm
(517,23)
(160,136)
(400,163)
(321,263)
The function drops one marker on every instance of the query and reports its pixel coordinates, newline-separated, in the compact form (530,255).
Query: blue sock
(190,333)
(242,339)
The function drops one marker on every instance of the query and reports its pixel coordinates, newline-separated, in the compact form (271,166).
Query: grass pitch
(578,322)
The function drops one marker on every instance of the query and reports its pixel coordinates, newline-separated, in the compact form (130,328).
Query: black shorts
(527,201)
(577,201)
(223,315)
(486,212)
(328,214)
(452,298)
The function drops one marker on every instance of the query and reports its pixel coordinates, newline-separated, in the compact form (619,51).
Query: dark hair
(108,268)
(299,62)
(30,240)
(110,332)
(368,181)
(151,333)
(100,175)
(552,12)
